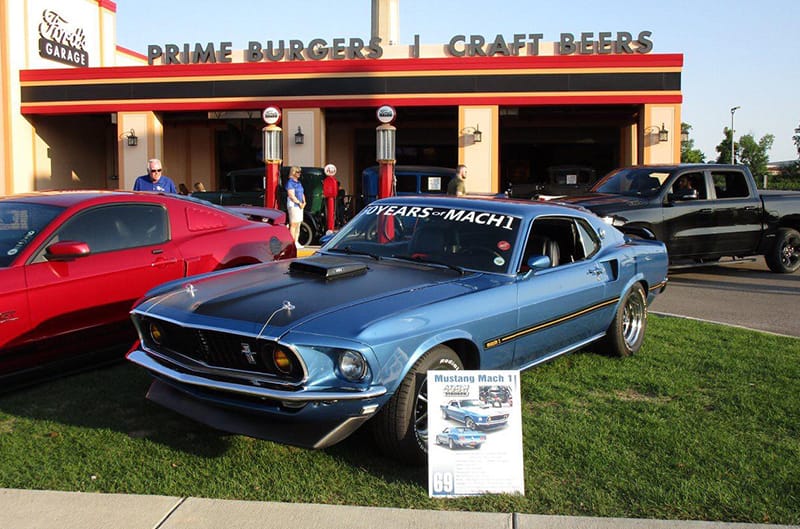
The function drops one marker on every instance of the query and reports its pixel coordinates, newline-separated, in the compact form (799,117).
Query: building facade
(79,111)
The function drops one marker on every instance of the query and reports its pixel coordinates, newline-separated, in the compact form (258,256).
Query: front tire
(401,427)
(784,256)
(625,335)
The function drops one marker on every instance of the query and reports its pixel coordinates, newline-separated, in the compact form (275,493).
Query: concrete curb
(36,509)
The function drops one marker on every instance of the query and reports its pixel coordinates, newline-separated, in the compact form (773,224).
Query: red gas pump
(385,136)
(330,190)
(273,155)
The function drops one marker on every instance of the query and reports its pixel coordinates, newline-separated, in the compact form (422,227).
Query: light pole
(733,145)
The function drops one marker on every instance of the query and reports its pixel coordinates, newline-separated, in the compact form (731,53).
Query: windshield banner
(474,433)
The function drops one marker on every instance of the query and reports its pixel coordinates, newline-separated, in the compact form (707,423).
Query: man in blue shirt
(154,180)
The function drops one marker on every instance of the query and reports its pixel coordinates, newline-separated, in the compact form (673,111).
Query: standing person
(457,185)
(295,203)
(154,180)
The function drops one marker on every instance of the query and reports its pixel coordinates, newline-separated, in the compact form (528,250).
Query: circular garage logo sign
(386,114)
(330,170)
(271,115)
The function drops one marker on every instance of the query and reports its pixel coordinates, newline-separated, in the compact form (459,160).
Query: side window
(730,184)
(588,239)
(690,181)
(559,238)
(117,227)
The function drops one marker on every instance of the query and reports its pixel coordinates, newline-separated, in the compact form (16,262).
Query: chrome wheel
(421,406)
(633,317)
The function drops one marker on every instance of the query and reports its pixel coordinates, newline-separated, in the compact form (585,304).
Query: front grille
(217,349)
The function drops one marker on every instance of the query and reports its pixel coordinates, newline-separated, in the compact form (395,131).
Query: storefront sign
(60,42)
(584,43)
(474,433)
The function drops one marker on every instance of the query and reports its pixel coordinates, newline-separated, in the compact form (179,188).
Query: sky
(736,53)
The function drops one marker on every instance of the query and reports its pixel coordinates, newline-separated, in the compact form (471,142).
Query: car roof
(69,198)
(492,204)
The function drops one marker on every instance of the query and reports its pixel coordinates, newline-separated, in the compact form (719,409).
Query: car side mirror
(67,251)
(538,262)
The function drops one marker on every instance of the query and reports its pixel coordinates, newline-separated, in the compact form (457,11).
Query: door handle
(597,272)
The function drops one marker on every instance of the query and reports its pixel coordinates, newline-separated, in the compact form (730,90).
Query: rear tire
(625,335)
(306,235)
(784,256)
(401,427)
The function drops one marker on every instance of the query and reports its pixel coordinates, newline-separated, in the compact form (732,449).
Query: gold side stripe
(503,339)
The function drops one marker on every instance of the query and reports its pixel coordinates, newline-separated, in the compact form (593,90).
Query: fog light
(156,334)
(352,365)
(282,361)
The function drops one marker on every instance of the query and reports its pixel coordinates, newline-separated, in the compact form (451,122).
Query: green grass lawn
(701,424)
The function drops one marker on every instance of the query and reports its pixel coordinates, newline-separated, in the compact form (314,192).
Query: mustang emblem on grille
(251,356)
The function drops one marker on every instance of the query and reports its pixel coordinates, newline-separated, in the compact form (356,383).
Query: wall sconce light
(477,135)
(133,140)
(663,133)
(299,137)
(684,136)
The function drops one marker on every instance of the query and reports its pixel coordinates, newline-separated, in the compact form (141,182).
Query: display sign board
(474,433)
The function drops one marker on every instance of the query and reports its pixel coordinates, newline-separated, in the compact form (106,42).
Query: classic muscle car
(474,414)
(459,436)
(72,264)
(305,352)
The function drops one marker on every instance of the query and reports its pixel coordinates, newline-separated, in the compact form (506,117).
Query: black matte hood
(602,204)
(273,298)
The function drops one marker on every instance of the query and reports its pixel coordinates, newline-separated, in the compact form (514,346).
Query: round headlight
(352,365)
(156,334)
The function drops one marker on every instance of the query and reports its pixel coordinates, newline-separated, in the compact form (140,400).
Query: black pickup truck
(702,212)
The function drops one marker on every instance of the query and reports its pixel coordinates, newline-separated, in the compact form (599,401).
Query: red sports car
(72,263)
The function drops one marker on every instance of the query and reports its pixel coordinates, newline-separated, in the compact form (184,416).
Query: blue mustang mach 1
(306,351)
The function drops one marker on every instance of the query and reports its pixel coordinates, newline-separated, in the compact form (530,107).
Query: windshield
(461,238)
(20,222)
(637,181)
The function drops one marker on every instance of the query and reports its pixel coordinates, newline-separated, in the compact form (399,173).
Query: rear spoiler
(259,214)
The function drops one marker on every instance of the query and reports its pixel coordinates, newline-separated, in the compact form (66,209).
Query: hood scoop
(327,267)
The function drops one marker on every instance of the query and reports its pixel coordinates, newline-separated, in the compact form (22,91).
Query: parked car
(408,180)
(305,352)
(473,413)
(72,264)
(720,212)
(562,180)
(459,436)
(246,187)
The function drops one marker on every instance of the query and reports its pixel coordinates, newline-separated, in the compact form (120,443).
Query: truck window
(694,181)
(730,184)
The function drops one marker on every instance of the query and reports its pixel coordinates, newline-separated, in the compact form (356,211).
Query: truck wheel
(306,236)
(401,427)
(784,256)
(625,335)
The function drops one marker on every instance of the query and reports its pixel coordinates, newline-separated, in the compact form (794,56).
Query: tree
(724,148)
(688,153)
(755,154)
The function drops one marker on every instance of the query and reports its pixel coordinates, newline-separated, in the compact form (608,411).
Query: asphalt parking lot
(744,294)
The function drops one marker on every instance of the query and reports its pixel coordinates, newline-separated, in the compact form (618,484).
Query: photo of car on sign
(306,351)
(474,414)
(460,437)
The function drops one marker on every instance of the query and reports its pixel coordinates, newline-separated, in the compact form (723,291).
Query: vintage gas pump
(386,134)
(273,155)
(330,190)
